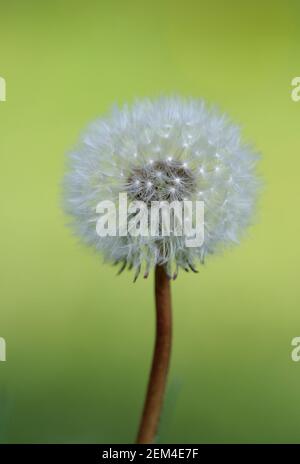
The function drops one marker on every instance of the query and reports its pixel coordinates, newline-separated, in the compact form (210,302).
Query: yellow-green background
(79,339)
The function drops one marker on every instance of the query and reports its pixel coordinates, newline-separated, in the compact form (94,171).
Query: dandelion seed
(94,175)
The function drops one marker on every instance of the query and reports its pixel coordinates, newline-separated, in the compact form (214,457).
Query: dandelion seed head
(139,150)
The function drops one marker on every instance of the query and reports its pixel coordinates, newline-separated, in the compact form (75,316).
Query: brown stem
(161,358)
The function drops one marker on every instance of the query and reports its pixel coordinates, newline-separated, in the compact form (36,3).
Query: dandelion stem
(161,358)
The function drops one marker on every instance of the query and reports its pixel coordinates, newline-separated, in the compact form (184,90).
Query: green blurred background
(79,339)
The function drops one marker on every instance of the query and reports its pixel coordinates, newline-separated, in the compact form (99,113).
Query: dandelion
(169,149)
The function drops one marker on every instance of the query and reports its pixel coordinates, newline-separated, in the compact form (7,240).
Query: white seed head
(144,144)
